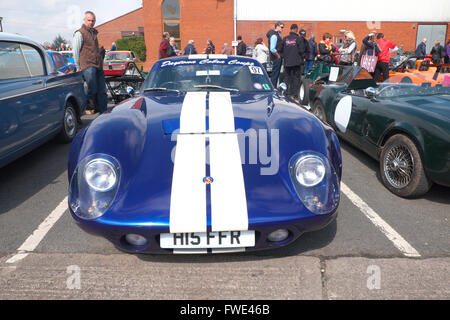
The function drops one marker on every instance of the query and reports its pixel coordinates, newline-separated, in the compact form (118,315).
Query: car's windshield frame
(187,74)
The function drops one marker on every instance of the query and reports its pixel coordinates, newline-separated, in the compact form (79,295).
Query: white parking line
(384,227)
(33,240)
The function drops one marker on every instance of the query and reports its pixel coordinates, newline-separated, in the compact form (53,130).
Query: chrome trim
(39,90)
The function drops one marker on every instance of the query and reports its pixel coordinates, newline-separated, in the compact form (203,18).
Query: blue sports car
(208,158)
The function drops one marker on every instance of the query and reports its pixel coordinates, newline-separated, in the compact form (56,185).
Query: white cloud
(43,20)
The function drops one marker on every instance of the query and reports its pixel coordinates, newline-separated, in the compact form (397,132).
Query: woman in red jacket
(383,57)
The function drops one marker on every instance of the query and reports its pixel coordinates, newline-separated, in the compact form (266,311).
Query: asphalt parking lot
(379,247)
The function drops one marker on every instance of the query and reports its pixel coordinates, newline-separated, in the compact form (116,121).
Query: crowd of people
(298,53)
(62,47)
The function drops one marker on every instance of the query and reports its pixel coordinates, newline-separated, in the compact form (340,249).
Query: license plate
(228,239)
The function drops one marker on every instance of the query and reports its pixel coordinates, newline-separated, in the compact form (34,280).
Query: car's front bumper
(116,234)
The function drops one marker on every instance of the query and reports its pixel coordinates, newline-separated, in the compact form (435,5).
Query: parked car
(411,70)
(68,55)
(115,63)
(36,102)
(406,127)
(167,170)
(60,62)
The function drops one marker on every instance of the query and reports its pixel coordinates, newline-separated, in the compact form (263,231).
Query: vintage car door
(24,111)
(350,115)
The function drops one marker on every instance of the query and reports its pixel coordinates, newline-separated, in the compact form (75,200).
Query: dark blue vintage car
(208,158)
(36,102)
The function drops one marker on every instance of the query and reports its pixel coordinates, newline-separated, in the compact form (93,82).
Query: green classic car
(404,126)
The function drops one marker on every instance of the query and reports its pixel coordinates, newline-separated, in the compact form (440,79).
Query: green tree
(57,42)
(136,44)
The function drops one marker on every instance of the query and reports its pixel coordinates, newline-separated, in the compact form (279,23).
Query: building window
(171,20)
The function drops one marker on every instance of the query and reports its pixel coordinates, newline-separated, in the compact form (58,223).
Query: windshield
(117,56)
(403,90)
(67,54)
(208,74)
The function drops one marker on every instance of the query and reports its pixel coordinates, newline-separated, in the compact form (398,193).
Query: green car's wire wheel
(401,168)
(319,111)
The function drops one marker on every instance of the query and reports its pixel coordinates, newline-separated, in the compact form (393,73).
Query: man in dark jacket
(275,47)
(241,49)
(421,50)
(302,35)
(190,49)
(312,53)
(294,48)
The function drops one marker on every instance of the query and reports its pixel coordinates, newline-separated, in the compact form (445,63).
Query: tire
(319,111)
(401,168)
(303,94)
(70,124)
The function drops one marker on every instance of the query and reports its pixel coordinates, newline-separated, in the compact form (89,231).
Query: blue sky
(43,20)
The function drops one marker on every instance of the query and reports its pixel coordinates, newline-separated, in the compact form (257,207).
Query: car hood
(243,142)
(435,106)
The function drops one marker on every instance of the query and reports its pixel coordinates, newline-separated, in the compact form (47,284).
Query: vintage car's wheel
(70,124)
(303,94)
(319,111)
(401,168)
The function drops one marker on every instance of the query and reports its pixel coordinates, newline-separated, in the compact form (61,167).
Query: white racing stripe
(33,241)
(398,241)
(188,198)
(228,198)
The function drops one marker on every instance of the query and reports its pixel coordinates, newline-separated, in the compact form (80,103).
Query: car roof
(17,38)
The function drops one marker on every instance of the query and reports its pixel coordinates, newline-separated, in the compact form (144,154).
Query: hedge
(136,44)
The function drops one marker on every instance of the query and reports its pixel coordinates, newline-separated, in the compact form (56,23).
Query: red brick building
(223,20)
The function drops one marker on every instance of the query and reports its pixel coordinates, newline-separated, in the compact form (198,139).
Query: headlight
(310,171)
(315,181)
(100,175)
(94,186)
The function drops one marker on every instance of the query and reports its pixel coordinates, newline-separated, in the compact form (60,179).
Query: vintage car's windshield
(208,74)
(401,90)
(117,56)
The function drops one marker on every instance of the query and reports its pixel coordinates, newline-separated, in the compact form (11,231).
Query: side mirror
(370,92)
(282,88)
(130,91)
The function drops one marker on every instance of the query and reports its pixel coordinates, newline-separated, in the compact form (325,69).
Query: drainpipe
(235,22)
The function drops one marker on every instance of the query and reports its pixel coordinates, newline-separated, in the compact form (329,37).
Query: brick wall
(200,20)
(110,31)
(204,19)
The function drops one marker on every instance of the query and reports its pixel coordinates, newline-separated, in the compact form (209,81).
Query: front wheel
(304,91)
(70,124)
(401,168)
(319,111)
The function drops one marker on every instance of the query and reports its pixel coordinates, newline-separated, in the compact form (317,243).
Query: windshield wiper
(161,90)
(212,86)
